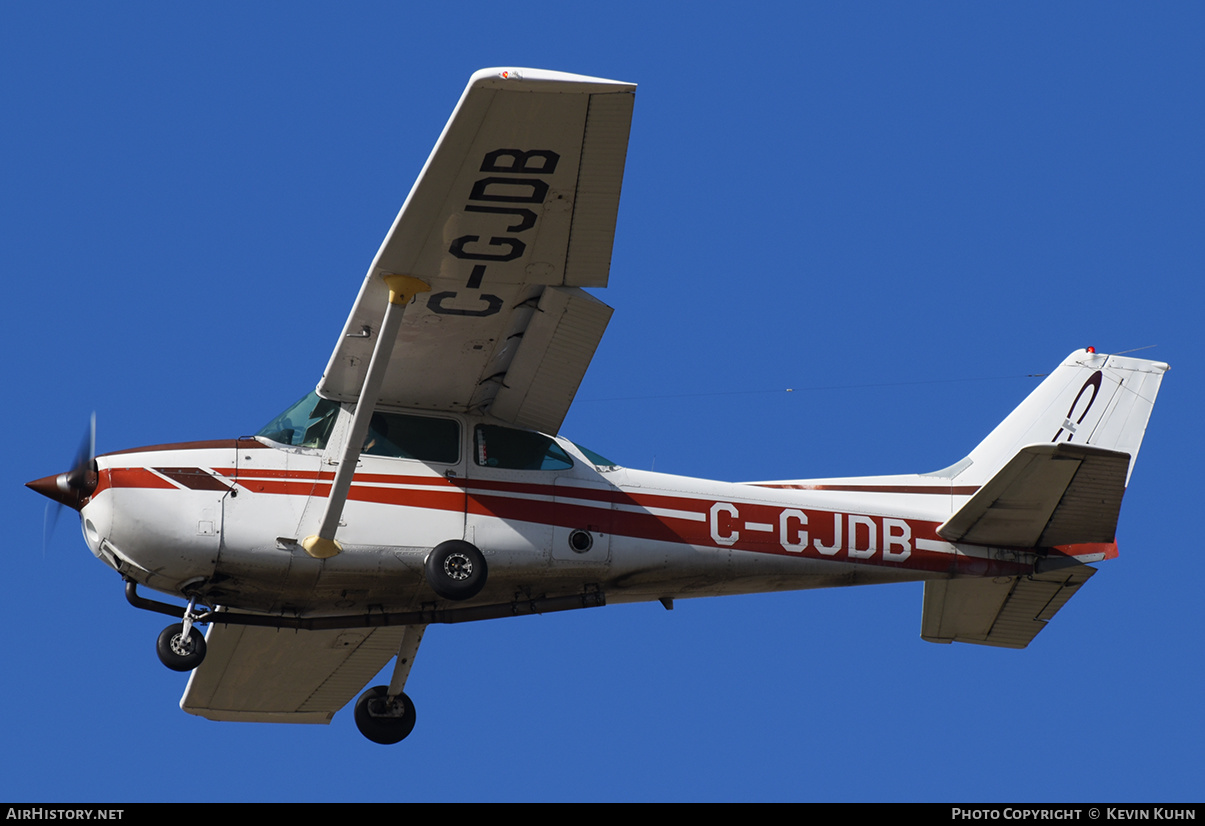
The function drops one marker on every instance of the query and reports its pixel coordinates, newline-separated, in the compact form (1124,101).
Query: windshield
(307,423)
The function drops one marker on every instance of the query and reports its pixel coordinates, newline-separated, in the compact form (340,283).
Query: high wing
(270,675)
(513,213)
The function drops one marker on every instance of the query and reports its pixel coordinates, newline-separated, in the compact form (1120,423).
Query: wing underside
(513,213)
(268,675)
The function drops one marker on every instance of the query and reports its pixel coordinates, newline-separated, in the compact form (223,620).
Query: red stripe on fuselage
(131,477)
(736,525)
(193,478)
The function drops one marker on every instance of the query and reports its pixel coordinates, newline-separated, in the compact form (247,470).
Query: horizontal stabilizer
(1007,612)
(1047,495)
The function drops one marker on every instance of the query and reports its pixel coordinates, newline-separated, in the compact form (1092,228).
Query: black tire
(456,570)
(178,653)
(381,721)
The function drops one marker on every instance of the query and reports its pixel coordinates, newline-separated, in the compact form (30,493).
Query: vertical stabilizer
(1090,399)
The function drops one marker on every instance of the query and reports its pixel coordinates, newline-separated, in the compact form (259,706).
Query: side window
(506,448)
(413,437)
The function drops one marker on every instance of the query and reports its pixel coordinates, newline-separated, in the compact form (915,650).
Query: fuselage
(224,519)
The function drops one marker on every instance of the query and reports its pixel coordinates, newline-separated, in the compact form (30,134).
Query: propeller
(70,488)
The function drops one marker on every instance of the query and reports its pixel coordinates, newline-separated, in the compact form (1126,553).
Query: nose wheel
(181,647)
(180,650)
(384,719)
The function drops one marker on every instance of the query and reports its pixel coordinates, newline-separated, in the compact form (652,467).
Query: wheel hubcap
(458,567)
(181,646)
(382,707)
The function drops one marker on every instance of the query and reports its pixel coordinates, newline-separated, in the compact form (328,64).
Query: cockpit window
(413,437)
(507,448)
(307,423)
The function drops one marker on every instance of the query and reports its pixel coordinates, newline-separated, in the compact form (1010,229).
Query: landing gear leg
(181,647)
(384,714)
(384,719)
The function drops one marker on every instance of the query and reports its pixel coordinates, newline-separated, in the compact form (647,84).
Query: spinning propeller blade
(71,488)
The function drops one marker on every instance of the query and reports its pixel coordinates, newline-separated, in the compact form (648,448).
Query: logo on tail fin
(1093,382)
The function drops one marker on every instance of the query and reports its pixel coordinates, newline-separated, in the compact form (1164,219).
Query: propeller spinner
(73,487)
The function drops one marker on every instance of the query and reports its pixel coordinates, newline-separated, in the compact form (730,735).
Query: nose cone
(70,489)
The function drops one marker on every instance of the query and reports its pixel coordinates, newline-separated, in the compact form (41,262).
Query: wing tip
(502,77)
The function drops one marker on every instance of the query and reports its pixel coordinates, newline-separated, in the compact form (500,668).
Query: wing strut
(402,290)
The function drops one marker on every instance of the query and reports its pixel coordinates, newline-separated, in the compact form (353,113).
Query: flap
(555,351)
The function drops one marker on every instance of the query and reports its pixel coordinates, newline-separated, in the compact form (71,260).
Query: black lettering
(436,305)
(517,248)
(527,218)
(520,161)
(539,190)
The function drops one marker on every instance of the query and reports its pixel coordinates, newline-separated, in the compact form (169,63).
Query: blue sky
(901,211)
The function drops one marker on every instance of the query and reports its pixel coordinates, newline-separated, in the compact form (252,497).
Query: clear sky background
(901,211)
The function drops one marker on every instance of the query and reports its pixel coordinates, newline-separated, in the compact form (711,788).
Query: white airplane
(423,480)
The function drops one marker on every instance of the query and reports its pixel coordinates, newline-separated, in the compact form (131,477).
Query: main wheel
(180,653)
(456,570)
(382,720)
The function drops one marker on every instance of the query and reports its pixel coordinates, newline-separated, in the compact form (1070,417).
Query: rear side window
(403,436)
(510,449)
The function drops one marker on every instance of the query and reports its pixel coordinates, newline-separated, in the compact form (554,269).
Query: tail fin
(1051,475)
(1054,472)
(1090,399)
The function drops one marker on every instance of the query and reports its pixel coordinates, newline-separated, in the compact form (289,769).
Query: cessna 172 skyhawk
(422,481)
